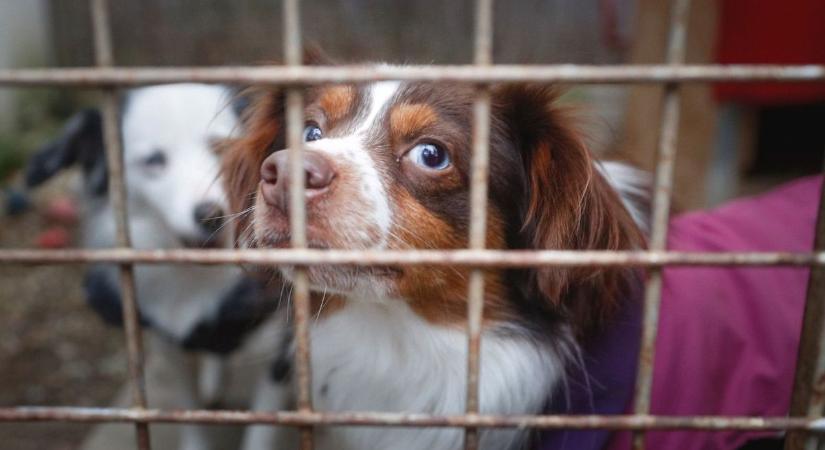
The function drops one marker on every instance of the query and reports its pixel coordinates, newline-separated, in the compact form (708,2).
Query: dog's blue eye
(156,160)
(312,133)
(430,156)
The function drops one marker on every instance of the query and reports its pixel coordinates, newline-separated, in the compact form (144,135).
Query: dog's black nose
(209,215)
(318,170)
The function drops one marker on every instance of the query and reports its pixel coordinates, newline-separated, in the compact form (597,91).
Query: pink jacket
(728,337)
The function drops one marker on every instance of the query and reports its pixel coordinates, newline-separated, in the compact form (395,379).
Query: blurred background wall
(167,32)
(217,32)
(25,41)
(220,32)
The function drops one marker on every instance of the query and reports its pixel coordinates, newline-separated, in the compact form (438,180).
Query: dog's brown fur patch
(337,101)
(408,120)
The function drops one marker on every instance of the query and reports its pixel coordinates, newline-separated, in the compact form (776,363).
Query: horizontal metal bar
(293,418)
(309,75)
(472,258)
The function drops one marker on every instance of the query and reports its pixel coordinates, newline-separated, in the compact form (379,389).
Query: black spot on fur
(103,296)
(281,369)
(240,312)
(80,142)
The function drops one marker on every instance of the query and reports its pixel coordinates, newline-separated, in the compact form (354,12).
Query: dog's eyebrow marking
(336,101)
(407,120)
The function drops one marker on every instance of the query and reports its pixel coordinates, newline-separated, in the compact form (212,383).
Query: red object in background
(771,32)
(62,210)
(54,237)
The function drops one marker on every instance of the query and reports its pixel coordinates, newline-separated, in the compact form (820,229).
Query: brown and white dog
(387,167)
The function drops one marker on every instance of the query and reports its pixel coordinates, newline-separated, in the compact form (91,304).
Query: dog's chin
(354,282)
(351,281)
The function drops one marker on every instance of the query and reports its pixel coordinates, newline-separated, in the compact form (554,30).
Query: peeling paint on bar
(471,258)
(304,75)
(806,398)
(478,212)
(297,216)
(292,418)
(104,57)
(660,217)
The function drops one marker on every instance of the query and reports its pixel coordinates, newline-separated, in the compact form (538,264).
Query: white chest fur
(383,357)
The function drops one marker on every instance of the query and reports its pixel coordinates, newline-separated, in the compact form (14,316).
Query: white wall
(24,42)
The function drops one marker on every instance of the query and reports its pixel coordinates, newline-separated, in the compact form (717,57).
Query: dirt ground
(53,349)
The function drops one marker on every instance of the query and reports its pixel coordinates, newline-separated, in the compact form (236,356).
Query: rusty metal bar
(101,30)
(663,187)
(297,216)
(808,395)
(304,75)
(292,418)
(478,212)
(475,295)
(471,258)
(483,34)
(292,33)
(104,57)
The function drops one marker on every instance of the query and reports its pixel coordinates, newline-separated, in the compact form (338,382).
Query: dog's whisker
(236,215)
(321,307)
(231,219)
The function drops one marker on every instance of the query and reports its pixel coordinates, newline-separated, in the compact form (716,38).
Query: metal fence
(807,402)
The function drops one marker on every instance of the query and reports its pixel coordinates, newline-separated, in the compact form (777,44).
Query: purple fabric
(606,384)
(728,337)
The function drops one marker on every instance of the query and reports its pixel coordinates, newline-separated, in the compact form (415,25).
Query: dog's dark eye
(430,156)
(156,160)
(312,133)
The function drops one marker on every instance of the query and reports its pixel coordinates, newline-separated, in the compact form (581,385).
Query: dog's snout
(209,216)
(318,172)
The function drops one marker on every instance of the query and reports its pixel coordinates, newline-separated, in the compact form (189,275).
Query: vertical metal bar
(808,398)
(104,57)
(663,187)
(483,46)
(297,215)
(478,213)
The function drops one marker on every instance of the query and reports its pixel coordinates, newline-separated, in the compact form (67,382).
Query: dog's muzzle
(210,218)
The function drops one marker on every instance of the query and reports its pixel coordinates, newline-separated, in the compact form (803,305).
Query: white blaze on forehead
(351,152)
(373,203)
(380,95)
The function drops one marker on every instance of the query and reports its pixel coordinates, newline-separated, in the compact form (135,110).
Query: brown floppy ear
(262,126)
(568,205)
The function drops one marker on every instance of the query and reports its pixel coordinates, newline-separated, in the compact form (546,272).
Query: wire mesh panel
(295,76)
